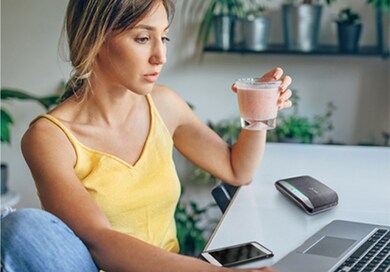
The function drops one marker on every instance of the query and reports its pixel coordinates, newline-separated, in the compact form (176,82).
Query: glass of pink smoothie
(258,103)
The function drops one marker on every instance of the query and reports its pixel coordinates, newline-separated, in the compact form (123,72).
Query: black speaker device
(308,193)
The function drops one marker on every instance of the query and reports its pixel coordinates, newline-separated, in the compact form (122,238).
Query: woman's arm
(235,165)
(51,158)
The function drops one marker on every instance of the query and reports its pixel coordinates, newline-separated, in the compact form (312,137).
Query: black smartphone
(237,254)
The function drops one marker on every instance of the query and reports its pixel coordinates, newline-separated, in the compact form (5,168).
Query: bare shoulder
(44,138)
(40,130)
(164,95)
(172,108)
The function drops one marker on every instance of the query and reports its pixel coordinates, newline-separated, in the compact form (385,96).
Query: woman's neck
(110,107)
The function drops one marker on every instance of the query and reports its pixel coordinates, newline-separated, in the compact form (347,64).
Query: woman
(102,159)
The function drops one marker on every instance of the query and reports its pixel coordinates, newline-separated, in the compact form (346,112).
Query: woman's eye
(166,39)
(142,39)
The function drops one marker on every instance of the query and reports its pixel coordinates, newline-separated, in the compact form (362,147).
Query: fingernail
(278,73)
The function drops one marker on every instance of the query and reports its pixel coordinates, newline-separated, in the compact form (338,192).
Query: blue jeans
(34,240)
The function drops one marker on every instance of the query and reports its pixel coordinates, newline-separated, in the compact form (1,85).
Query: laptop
(339,247)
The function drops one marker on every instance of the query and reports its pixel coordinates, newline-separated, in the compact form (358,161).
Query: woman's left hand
(285,92)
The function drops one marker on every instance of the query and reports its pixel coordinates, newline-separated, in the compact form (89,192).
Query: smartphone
(237,254)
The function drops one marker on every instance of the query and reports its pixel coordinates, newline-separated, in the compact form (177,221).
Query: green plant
(382,4)
(256,8)
(6,118)
(347,16)
(190,231)
(209,9)
(294,127)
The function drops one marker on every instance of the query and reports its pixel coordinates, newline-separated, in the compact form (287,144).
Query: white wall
(359,86)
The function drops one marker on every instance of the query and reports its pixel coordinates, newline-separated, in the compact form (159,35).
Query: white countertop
(359,174)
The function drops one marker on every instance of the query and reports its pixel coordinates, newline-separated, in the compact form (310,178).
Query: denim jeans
(36,241)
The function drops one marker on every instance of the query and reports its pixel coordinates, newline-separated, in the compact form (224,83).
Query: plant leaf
(16,94)
(48,101)
(45,101)
(6,122)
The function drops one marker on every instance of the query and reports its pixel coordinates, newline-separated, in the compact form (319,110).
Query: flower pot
(349,36)
(383,30)
(4,178)
(224,31)
(256,32)
(301,26)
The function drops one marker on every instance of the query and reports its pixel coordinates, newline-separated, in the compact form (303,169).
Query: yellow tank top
(140,199)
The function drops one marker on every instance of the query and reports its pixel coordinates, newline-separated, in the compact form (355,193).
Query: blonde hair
(88,23)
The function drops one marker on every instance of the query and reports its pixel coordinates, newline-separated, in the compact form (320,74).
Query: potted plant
(301,24)
(295,128)
(382,12)
(218,14)
(7,121)
(349,30)
(192,232)
(255,26)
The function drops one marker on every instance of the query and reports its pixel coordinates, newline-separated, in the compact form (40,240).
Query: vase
(383,30)
(301,26)
(349,36)
(256,33)
(4,178)
(224,31)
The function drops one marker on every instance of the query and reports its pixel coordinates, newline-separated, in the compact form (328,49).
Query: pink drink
(258,103)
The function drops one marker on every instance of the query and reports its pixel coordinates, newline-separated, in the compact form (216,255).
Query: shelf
(323,50)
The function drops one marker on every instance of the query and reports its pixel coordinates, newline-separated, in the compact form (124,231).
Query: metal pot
(301,26)
(383,30)
(4,178)
(223,31)
(256,33)
(348,36)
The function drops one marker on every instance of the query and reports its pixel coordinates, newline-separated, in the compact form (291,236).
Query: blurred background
(356,83)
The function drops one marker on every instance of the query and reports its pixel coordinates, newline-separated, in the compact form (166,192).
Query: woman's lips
(151,77)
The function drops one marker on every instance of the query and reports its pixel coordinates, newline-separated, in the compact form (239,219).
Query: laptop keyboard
(373,255)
